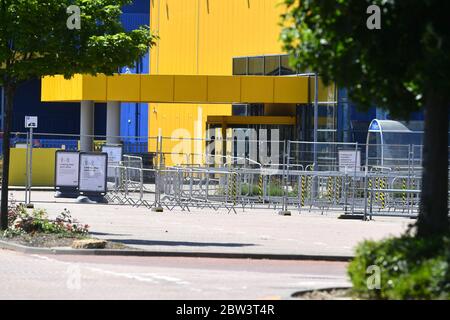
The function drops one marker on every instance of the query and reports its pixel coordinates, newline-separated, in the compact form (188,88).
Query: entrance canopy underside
(250,120)
(181,89)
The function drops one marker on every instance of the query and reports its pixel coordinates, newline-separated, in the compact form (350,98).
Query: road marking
(142,277)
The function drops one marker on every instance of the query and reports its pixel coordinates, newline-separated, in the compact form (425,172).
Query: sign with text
(93,172)
(114,158)
(349,160)
(31,122)
(66,171)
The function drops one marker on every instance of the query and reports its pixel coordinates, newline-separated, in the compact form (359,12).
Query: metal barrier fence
(379,192)
(335,183)
(234,174)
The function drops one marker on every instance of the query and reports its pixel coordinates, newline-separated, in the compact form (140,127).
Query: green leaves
(411,268)
(35,40)
(392,67)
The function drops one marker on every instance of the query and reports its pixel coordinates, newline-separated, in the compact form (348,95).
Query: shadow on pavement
(180,243)
(108,234)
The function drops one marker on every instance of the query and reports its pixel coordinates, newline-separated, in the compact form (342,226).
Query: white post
(113,122)
(87,126)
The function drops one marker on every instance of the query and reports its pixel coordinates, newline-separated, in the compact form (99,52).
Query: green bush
(410,268)
(249,189)
(23,222)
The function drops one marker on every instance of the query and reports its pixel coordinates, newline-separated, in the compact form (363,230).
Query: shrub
(22,222)
(411,268)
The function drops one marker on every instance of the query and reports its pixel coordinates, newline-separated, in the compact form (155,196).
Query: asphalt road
(92,277)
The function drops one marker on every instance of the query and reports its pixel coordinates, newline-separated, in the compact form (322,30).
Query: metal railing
(348,178)
(239,183)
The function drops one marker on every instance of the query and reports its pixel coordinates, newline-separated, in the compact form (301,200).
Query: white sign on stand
(349,160)
(114,158)
(67,169)
(93,172)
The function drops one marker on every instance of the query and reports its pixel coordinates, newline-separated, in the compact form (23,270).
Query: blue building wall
(61,118)
(353,124)
(134,116)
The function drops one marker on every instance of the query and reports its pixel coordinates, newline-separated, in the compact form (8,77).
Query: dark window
(239,110)
(239,66)
(286,69)
(256,66)
(255,110)
(272,66)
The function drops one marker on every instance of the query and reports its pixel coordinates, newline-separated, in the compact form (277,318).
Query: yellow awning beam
(179,89)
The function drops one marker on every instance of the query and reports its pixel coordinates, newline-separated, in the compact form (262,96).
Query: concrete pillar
(87,126)
(113,122)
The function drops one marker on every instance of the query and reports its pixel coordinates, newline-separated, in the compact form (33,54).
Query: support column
(113,122)
(87,126)
(224,142)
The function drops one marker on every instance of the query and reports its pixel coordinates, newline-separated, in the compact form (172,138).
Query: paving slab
(253,231)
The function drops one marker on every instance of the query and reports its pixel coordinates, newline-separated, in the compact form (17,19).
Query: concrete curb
(321,289)
(189,254)
(17,188)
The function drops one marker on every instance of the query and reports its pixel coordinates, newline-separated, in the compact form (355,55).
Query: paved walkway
(249,232)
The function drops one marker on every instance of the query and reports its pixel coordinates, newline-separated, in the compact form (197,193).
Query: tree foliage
(402,66)
(393,67)
(35,40)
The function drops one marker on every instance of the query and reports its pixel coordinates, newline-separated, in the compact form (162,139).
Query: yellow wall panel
(202,36)
(94,87)
(43,167)
(186,121)
(56,88)
(176,23)
(234,28)
(124,87)
(326,93)
(224,89)
(290,89)
(190,88)
(257,89)
(157,88)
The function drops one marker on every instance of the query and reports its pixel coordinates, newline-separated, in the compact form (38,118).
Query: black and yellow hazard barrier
(377,186)
(330,188)
(383,194)
(230,185)
(234,191)
(404,191)
(310,178)
(260,187)
(369,189)
(338,188)
(303,193)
